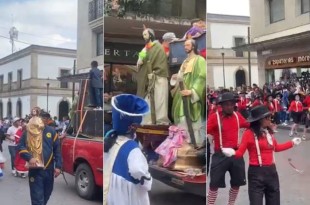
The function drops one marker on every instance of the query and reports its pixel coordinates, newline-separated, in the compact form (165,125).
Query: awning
(75,78)
(283,41)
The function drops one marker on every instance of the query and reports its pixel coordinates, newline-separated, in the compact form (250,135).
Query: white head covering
(170,36)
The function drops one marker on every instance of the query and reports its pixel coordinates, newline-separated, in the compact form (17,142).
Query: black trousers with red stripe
(208,156)
(263,181)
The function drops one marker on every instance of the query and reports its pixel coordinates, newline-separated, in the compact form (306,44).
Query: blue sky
(42,22)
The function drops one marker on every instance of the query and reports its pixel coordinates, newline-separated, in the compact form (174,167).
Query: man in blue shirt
(41,179)
(96,85)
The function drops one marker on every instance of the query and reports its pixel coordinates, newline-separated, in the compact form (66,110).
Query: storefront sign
(289,61)
(121,53)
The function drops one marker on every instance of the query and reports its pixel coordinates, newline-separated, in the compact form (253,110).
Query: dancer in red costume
(296,109)
(261,144)
(224,126)
(19,163)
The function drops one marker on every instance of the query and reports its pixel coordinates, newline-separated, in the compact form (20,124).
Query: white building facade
(28,78)
(227,68)
(89,34)
(280,34)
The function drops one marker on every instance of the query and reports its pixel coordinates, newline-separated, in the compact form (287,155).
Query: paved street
(294,186)
(16,191)
(164,195)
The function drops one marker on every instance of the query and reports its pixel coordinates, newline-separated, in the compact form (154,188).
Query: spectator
(10,136)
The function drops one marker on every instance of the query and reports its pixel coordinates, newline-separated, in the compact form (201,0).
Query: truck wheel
(84,182)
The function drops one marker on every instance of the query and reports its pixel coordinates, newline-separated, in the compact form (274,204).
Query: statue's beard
(147,40)
(189,51)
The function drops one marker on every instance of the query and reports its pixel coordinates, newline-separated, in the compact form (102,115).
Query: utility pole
(13,36)
(249,56)
(47,89)
(73,84)
(223,56)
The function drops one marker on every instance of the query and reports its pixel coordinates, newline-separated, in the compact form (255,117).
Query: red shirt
(295,106)
(248,143)
(203,53)
(241,104)
(256,102)
(212,108)
(270,106)
(229,129)
(277,105)
(306,101)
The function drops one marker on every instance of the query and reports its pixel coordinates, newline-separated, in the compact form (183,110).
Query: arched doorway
(1,110)
(9,110)
(63,109)
(19,108)
(240,78)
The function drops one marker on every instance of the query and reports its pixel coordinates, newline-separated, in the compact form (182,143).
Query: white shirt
(121,191)
(11,132)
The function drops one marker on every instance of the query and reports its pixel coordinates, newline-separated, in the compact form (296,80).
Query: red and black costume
(277,110)
(306,103)
(242,106)
(257,102)
(296,108)
(262,173)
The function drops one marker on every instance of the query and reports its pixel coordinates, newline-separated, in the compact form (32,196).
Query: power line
(16,40)
(38,36)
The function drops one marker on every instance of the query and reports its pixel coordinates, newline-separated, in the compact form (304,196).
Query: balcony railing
(95,10)
(166,11)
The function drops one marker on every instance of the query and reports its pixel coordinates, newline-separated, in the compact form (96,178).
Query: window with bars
(99,44)
(1,83)
(64,72)
(239,41)
(305,6)
(9,110)
(19,108)
(10,77)
(19,78)
(95,10)
(276,10)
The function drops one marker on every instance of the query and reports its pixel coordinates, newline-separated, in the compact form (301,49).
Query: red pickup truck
(83,157)
(82,152)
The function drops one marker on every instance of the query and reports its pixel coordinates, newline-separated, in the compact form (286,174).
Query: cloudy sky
(232,7)
(41,22)
(54,22)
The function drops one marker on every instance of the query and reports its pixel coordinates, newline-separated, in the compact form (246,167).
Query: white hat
(16,119)
(169,36)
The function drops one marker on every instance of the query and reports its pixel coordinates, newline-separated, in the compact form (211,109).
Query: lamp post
(249,57)
(223,55)
(47,88)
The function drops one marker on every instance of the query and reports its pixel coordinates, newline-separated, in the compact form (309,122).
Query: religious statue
(188,105)
(35,129)
(198,28)
(153,79)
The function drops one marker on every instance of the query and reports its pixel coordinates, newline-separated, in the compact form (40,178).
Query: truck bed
(194,185)
(84,150)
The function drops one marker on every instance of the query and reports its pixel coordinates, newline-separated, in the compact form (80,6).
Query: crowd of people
(34,149)
(259,111)
(286,101)
(11,130)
